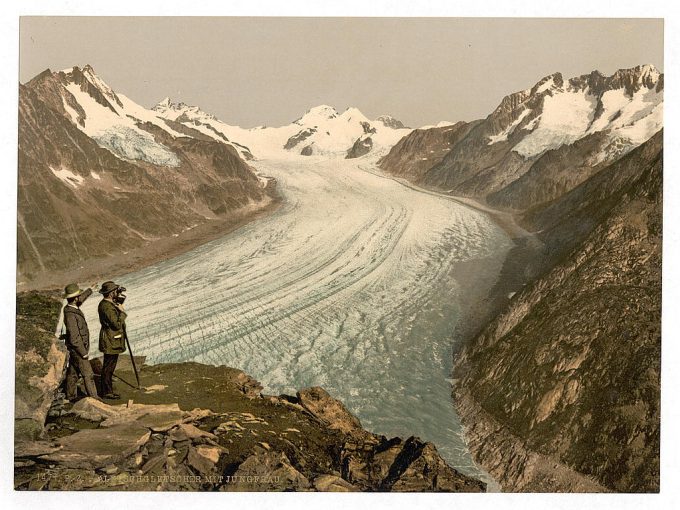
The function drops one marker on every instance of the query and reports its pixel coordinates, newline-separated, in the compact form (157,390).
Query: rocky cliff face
(560,392)
(541,142)
(99,175)
(40,362)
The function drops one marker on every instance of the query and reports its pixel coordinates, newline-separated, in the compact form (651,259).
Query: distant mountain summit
(167,109)
(322,130)
(317,114)
(628,105)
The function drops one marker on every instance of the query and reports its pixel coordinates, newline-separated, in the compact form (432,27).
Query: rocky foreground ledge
(200,427)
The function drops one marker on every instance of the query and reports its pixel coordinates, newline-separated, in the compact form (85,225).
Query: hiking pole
(132,357)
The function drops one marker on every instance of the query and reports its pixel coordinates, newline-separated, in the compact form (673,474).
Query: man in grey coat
(77,343)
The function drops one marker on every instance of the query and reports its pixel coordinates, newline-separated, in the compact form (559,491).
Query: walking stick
(132,357)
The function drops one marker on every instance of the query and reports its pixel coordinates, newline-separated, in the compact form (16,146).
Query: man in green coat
(111,336)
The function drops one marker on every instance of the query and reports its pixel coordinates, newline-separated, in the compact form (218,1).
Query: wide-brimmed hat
(72,290)
(108,287)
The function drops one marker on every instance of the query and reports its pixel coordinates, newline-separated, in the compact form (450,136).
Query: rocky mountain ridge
(99,174)
(322,130)
(542,141)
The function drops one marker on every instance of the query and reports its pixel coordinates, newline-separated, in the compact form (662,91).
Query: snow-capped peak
(92,84)
(111,120)
(352,114)
(646,75)
(646,70)
(173,111)
(440,124)
(164,103)
(549,82)
(317,114)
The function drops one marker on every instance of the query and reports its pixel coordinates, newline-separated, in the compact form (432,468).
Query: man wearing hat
(77,342)
(111,336)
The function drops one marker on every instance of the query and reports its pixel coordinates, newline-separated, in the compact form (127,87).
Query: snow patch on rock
(67,176)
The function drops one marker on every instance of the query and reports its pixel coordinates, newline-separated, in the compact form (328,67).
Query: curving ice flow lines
(350,285)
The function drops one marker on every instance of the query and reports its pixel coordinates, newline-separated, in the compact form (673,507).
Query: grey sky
(254,71)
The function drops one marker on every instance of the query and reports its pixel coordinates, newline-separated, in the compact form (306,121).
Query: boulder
(212,453)
(250,387)
(333,483)
(327,409)
(418,467)
(158,417)
(96,448)
(401,466)
(185,431)
(34,448)
(201,463)
(267,471)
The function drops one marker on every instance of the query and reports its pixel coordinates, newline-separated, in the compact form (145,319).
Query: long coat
(111,336)
(77,332)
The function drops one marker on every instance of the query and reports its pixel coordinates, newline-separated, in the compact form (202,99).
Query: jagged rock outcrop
(319,403)
(297,138)
(391,122)
(360,148)
(560,392)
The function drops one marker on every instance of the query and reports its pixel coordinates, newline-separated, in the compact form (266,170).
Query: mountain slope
(99,175)
(563,223)
(560,392)
(543,141)
(415,154)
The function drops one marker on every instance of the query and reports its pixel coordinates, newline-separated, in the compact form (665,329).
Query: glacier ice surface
(351,285)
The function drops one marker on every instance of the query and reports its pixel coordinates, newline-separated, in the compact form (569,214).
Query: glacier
(116,129)
(354,284)
(130,144)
